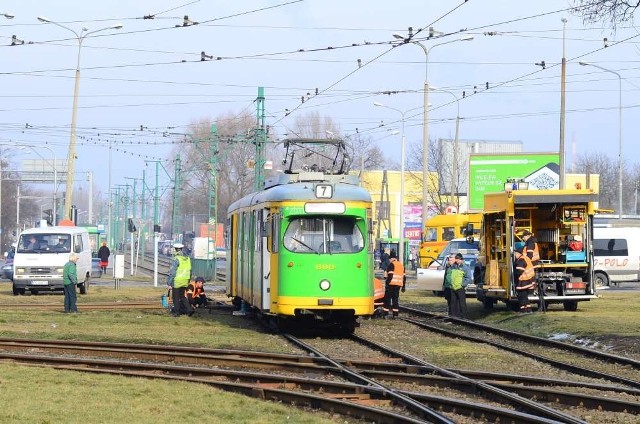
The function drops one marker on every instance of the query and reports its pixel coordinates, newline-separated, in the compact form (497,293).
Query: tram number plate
(324,191)
(40,283)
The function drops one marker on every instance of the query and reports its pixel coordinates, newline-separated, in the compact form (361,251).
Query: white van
(41,255)
(616,252)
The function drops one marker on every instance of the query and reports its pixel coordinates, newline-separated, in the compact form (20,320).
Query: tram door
(266,257)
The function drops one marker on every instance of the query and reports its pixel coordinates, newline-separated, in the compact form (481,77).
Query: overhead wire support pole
(214,151)
(176,197)
(260,141)
(562,183)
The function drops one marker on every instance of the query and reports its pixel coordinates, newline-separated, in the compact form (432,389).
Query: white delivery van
(41,255)
(616,252)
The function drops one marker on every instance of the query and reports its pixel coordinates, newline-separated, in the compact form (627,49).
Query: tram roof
(287,187)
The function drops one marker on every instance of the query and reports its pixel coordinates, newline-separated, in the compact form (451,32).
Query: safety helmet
(178,246)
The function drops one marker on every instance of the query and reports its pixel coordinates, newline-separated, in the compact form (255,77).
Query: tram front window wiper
(305,245)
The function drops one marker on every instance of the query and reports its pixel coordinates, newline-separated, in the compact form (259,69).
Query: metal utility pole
(260,140)
(176,197)
(562,183)
(214,151)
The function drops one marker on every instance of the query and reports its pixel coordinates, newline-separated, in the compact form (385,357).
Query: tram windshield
(323,235)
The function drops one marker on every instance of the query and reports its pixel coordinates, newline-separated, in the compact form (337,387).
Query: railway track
(575,359)
(90,306)
(480,396)
(273,376)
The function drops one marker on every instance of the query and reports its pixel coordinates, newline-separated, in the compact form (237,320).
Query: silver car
(431,278)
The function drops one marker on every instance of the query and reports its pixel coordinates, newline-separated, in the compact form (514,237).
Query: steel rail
(480,386)
(581,370)
(529,338)
(397,397)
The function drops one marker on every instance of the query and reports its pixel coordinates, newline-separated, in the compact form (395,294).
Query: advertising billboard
(489,172)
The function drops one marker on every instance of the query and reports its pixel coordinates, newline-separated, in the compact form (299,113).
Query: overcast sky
(149,73)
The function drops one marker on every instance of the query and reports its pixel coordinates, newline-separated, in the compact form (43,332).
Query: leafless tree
(615,12)
(599,163)
(441,165)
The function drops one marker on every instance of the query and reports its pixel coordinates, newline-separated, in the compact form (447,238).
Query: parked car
(7,267)
(165,247)
(431,278)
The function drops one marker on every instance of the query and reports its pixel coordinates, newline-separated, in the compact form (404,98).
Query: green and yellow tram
(302,249)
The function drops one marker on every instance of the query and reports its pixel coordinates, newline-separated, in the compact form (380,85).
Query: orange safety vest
(535,253)
(194,291)
(398,273)
(528,272)
(378,289)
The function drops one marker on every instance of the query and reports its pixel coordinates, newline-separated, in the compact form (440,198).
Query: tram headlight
(325,285)
(552,276)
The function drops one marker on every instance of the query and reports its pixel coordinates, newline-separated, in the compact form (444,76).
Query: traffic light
(131,226)
(48,215)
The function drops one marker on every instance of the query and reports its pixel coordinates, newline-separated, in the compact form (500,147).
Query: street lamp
(80,37)
(402,160)
(8,15)
(619,131)
(425,120)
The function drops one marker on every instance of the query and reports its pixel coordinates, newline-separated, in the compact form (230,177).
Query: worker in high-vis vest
(524,279)
(395,279)
(179,277)
(531,248)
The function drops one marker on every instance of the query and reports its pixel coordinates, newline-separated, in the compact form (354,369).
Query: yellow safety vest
(183,272)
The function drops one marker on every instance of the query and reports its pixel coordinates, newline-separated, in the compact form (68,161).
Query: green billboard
(488,173)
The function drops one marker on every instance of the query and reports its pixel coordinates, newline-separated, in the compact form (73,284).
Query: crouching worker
(195,293)
(378,298)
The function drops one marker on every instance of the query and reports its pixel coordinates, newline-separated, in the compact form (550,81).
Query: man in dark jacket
(103,254)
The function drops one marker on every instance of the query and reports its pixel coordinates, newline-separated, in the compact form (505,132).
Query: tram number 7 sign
(324,191)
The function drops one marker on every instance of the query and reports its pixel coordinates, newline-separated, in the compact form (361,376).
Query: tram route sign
(489,172)
(41,170)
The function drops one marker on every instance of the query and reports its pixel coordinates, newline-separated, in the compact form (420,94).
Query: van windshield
(44,243)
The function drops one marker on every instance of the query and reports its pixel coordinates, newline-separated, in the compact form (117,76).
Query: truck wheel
(570,305)
(601,280)
(15,290)
(487,303)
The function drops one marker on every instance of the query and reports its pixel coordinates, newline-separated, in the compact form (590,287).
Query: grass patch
(75,397)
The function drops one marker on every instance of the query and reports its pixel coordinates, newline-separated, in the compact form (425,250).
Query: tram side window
(610,247)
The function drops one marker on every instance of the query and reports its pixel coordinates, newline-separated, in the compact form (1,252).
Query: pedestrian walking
(179,277)
(70,281)
(103,254)
(395,279)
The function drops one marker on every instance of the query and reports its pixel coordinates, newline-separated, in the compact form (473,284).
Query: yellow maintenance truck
(440,230)
(562,223)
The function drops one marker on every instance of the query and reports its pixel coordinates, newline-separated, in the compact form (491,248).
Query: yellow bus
(440,229)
